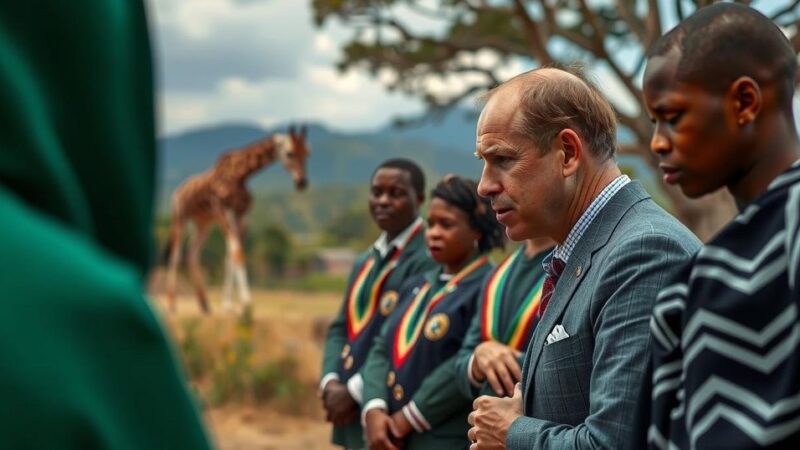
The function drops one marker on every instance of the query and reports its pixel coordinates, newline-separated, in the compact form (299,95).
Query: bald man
(547,140)
(726,334)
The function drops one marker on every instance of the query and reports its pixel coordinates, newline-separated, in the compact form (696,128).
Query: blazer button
(578,271)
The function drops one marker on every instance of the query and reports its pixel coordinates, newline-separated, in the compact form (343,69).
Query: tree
(351,227)
(470,45)
(272,246)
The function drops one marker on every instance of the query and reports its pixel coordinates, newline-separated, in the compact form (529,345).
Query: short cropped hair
(550,105)
(725,41)
(463,194)
(414,172)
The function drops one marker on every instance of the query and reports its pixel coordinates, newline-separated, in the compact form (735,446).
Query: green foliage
(212,257)
(195,358)
(352,227)
(315,282)
(271,249)
(227,372)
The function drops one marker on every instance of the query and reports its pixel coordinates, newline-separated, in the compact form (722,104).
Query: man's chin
(516,234)
(694,191)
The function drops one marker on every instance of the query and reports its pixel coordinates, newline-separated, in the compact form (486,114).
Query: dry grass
(258,377)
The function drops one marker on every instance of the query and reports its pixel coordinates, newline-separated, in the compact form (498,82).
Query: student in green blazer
(428,327)
(397,190)
(490,360)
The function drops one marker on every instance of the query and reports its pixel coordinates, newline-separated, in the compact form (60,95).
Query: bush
(225,370)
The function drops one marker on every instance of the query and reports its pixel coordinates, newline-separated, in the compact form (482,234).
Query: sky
(259,61)
(265,62)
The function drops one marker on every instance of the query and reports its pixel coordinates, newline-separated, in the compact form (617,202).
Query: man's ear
(747,100)
(569,143)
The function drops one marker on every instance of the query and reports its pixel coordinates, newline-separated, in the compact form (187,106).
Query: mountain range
(338,158)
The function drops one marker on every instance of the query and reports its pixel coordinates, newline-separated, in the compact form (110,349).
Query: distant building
(334,261)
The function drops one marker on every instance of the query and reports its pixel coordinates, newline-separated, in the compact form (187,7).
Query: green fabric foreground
(86,364)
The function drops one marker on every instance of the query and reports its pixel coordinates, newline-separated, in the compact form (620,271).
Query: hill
(339,167)
(337,158)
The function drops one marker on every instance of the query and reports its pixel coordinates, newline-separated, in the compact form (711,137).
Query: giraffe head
(293,151)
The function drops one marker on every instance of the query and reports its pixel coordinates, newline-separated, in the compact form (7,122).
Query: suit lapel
(594,238)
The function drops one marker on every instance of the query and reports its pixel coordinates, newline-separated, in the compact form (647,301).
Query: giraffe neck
(241,164)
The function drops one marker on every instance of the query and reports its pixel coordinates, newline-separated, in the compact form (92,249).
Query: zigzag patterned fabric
(726,335)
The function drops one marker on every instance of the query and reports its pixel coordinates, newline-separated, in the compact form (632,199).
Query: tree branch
(553,27)
(631,21)
(600,50)
(653,23)
(538,46)
(777,15)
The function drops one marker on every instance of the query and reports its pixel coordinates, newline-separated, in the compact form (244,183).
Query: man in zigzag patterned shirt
(726,333)
(397,190)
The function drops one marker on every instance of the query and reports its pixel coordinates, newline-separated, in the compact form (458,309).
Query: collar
(398,242)
(564,250)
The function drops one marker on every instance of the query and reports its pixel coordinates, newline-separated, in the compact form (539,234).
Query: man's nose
(659,143)
(383,199)
(487,186)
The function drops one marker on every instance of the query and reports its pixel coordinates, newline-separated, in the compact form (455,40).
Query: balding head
(720,43)
(545,101)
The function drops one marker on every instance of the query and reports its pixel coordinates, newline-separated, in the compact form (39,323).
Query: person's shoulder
(50,268)
(647,220)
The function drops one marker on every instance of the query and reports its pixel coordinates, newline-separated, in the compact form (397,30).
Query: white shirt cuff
(415,417)
(475,383)
(355,385)
(375,403)
(328,377)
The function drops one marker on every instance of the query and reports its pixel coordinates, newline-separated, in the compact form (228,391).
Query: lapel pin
(578,271)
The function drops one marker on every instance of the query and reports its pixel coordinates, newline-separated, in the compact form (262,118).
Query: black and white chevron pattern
(726,335)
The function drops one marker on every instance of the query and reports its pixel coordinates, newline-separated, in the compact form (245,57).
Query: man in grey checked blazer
(547,139)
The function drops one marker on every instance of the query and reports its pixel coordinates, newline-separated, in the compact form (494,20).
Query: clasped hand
(340,408)
(491,418)
(498,364)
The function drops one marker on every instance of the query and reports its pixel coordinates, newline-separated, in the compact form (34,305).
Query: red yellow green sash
(492,299)
(362,298)
(414,317)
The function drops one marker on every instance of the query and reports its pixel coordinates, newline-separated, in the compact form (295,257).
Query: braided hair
(463,194)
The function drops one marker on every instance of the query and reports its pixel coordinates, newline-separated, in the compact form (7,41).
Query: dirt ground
(245,428)
(285,323)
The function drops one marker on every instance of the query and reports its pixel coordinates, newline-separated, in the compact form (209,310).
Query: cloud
(200,42)
(349,102)
(260,61)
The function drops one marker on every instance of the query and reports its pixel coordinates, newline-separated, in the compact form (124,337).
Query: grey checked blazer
(582,392)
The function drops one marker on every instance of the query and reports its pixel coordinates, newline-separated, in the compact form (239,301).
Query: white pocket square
(558,334)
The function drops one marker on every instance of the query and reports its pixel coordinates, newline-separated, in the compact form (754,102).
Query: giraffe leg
(227,291)
(176,232)
(196,274)
(244,287)
(232,226)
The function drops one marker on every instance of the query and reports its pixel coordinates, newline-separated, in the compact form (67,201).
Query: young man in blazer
(397,190)
(547,139)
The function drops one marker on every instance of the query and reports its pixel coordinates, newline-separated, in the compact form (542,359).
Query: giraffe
(220,196)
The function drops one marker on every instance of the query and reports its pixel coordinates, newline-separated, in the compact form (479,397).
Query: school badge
(437,326)
(388,302)
(398,392)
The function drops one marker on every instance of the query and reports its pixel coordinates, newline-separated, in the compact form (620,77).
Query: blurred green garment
(85,362)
